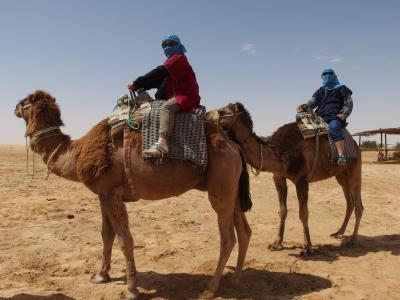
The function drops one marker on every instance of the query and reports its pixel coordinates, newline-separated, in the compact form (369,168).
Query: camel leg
(302,196)
(281,188)
(116,211)
(354,180)
(243,232)
(108,235)
(343,181)
(359,208)
(227,242)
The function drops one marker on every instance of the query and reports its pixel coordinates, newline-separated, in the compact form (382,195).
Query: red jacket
(181,82)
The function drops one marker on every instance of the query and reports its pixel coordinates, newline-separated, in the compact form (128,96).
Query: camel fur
(288,156)
(94,162)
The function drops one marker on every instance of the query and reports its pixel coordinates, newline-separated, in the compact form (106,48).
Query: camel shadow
(365,245)
(254,284)
(24,296)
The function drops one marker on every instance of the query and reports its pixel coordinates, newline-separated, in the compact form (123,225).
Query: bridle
(38,136)
(21,108)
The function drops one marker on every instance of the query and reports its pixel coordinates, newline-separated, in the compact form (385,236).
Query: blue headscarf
(330,80)
(178,48)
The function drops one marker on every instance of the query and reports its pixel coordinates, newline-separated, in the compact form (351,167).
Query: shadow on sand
(23,296)
(365,245)
(254,284)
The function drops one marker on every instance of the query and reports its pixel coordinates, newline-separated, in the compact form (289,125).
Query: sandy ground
(50,241)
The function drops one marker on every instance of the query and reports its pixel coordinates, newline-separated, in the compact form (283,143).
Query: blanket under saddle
(188,140)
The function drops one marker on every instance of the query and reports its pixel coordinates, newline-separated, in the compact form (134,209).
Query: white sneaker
(157,150)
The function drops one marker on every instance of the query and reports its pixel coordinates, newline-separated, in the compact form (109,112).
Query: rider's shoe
(341,160)
(157,150)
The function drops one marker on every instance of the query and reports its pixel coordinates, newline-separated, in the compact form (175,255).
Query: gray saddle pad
(350,147)
(188,140)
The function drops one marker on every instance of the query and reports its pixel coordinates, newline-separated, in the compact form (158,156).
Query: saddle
(311,125)
(140,113)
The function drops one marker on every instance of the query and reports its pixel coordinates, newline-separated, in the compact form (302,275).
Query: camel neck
(54,149)
(259,155)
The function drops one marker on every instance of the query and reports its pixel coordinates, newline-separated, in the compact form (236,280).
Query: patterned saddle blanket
(188,140)
(311,126)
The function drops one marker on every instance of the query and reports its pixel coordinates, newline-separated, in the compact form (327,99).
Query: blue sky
(266,54)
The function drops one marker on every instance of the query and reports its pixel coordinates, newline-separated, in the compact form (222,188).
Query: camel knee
(107,232)
(282,213)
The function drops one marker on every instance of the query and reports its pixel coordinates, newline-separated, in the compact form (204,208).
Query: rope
(36,134)
(27,175)
(50,158)
(34,138)
(257,172)
(129,121)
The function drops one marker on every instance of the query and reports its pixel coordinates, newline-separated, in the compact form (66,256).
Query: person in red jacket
(176,82)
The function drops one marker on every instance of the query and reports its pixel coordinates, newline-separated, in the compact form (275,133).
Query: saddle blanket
(350,147)
(311,125)
(188,139)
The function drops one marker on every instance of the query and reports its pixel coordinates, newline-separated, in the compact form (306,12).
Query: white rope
(257,172)
(50,158)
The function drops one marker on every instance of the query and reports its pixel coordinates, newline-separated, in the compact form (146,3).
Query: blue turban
(178,48)
(330,80)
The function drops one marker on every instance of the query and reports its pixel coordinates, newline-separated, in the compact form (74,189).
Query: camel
(96,162)
(288,156)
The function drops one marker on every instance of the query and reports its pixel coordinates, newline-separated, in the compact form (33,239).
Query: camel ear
(239,107)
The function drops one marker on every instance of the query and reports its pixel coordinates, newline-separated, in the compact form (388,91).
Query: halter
(21,108)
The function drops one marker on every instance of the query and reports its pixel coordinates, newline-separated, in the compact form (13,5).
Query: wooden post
(386,148)
(359,141)
(380,154)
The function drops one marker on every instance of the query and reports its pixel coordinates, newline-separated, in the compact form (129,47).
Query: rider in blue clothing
(334,104)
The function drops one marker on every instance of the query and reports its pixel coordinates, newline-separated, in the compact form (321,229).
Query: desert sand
(50,241)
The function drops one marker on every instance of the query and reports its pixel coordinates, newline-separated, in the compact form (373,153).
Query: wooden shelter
(382,150)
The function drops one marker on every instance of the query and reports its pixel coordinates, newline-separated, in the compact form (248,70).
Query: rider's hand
(131,86)
(301,107)
(341,116)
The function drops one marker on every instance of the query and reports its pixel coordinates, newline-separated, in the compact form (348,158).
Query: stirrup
(341,160)
(157,150)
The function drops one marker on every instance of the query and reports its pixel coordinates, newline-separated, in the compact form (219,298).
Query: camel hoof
(207,295)
(99,278)
(128,295)
(275,247)
(306,252)
(337,235)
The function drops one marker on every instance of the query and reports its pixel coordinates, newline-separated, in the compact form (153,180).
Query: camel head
(234,114)
(39,110)
(235,118)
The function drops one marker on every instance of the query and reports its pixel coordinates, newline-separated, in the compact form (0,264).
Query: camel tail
(244,186)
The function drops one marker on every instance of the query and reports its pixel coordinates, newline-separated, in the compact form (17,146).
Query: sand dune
(50,241)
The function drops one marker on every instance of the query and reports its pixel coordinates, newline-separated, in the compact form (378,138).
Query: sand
(50,241)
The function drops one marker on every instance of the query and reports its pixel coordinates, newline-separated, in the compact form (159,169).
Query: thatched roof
(378,131)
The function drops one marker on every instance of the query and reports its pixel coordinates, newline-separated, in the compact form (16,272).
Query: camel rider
(334,104)
(176,82)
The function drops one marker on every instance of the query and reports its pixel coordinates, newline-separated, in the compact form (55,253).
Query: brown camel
(288,156)
(97,163)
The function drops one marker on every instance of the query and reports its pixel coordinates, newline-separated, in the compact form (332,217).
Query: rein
(35,138)
(256,172)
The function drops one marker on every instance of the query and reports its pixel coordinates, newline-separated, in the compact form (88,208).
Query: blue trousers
(335,130)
